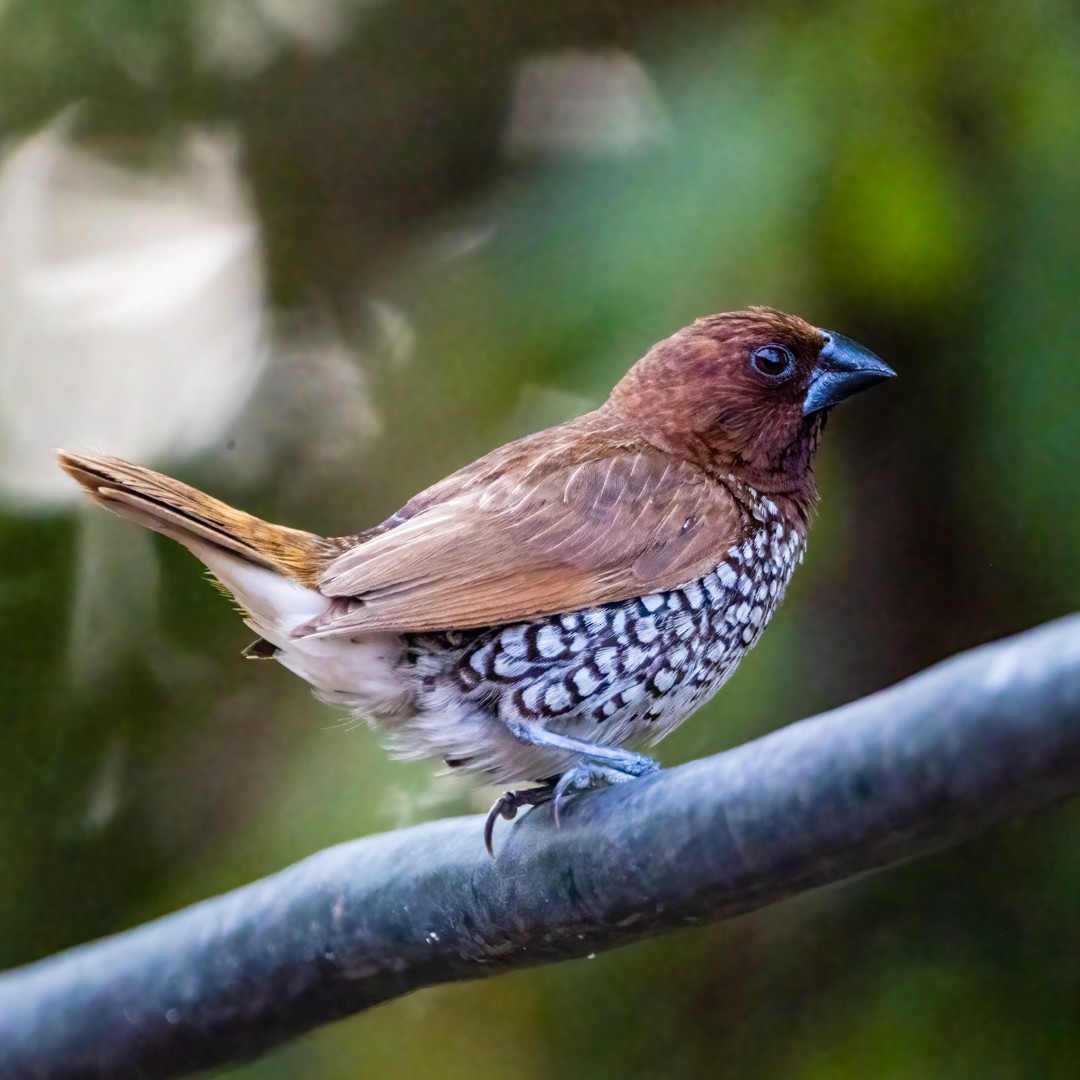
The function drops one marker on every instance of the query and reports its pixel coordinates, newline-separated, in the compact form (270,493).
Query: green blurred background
(313,256)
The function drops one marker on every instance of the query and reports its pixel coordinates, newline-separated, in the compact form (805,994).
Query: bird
(539,614)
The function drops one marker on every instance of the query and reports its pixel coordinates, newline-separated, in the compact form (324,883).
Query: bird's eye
(775,362)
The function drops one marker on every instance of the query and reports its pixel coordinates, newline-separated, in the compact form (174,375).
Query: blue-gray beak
(844,368)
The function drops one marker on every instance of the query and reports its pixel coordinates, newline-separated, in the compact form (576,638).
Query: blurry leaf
(902,223)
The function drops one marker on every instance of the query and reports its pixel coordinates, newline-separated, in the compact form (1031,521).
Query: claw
(587,773)
(569,782)
(507,805)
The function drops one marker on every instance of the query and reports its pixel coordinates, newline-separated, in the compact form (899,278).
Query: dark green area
(903,172)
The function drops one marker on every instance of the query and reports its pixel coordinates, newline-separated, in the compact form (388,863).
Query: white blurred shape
(106,793)
(130,307)
(161,279)
(312,413)
(582,103)
(317,24)
(461,241)
(233,37)
(113,599)
(398,338)
(243,36)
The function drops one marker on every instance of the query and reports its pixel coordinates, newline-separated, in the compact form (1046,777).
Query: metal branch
(984,736)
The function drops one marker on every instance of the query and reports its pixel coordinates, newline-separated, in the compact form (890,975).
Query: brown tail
(189,516)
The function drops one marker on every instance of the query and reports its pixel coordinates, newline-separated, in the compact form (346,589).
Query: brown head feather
(696,395)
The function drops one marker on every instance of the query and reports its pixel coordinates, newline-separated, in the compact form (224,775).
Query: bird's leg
(613,759)
(596,765)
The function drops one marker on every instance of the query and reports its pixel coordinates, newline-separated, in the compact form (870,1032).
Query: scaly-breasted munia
(575,591)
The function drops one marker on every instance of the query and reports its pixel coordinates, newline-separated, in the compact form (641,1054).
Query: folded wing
(533,543)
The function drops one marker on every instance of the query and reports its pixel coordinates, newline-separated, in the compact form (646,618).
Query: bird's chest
(674,650)
(626,670)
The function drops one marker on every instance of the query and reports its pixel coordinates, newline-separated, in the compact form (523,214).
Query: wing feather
(559,538)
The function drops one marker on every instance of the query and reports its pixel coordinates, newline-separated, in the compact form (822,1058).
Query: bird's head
(746,393)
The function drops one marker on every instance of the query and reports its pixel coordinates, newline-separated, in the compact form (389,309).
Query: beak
(844,368)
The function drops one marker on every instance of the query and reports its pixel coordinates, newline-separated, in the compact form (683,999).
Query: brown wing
(535,543)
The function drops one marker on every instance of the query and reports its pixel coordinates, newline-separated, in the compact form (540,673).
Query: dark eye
(775,362)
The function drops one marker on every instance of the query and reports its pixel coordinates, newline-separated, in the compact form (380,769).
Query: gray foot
(597,766)
(591,772)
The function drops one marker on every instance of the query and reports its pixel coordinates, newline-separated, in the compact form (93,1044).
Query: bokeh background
(312,256)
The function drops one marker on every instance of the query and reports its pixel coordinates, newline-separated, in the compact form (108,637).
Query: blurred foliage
(904,172)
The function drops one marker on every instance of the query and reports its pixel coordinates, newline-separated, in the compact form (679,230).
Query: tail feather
(269,570)
(195,519)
